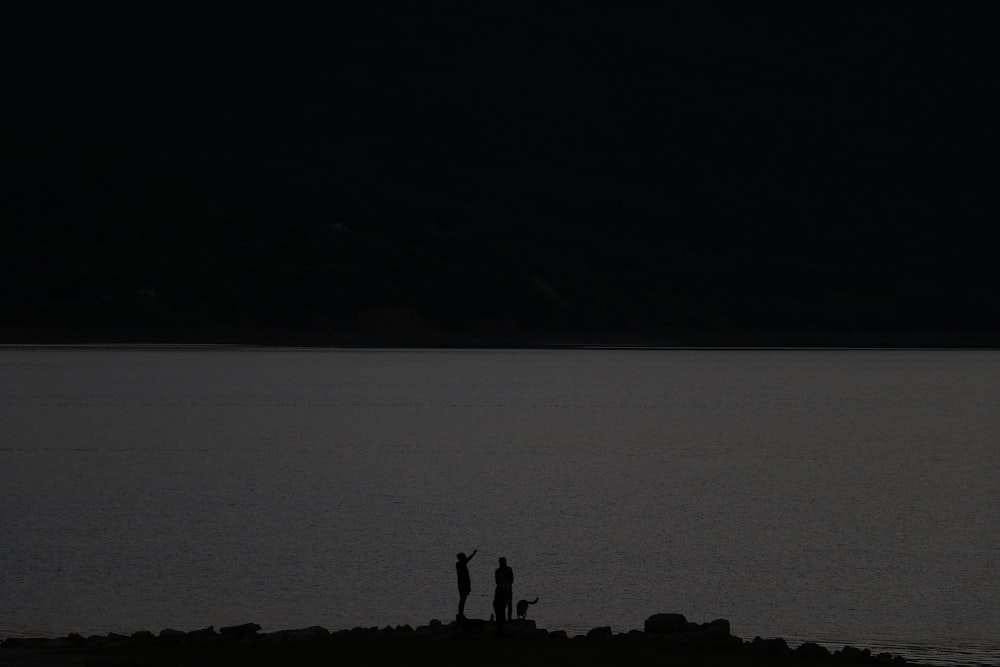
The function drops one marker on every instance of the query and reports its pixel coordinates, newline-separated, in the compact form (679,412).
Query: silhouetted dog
(522,607)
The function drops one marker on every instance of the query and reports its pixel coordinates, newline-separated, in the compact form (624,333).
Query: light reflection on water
(824,494)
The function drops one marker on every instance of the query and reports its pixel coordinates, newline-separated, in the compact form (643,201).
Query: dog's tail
(532,601)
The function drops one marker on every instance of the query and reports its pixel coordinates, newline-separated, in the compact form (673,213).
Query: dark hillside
(681,172)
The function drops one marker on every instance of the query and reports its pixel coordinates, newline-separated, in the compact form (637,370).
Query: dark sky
(654,171)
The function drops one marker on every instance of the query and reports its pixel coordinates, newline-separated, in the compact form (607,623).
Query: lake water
(845,497)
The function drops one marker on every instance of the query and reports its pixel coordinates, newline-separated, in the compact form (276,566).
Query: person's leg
(498,607)
(461,603)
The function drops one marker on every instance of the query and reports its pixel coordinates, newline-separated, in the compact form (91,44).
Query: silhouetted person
(464,583)
(503,596)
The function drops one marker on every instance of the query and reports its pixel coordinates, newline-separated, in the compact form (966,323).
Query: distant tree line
(147,254)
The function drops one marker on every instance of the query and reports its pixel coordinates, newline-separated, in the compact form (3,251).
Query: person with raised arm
(464,582)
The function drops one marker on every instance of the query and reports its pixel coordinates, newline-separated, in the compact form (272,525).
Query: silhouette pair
(503,595)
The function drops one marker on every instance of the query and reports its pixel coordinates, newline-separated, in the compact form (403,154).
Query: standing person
(503,597)
(464,583)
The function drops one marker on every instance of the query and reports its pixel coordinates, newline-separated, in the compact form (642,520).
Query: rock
(639,638)
(521,628)
(73,640)
(427,630)
(776,646)
(205,634)
(475,627)
(602,632)
(665,623)
(676,630)
(169,634)
(718,628)
(853,654)
(812,650)
(558,634)
(779,646)
(312,633)
(240,631)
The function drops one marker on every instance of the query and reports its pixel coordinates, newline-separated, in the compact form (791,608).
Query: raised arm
(474,551)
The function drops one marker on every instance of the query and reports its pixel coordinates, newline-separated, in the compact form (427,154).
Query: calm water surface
(846,497)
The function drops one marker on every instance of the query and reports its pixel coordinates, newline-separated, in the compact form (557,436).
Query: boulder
(812,650)
(853,654)
(521,628)
(718,628)
(54,642)
(602,632)
(239,631)
(665,623)
(312,633)
(427,631)
(115,639)
(205,634)
(72,640)
(776,646)
(475,627)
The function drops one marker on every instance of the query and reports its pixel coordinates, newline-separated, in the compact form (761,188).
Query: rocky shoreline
(666,639)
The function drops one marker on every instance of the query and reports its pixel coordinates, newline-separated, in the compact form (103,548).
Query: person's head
(461,556)
(503,561)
